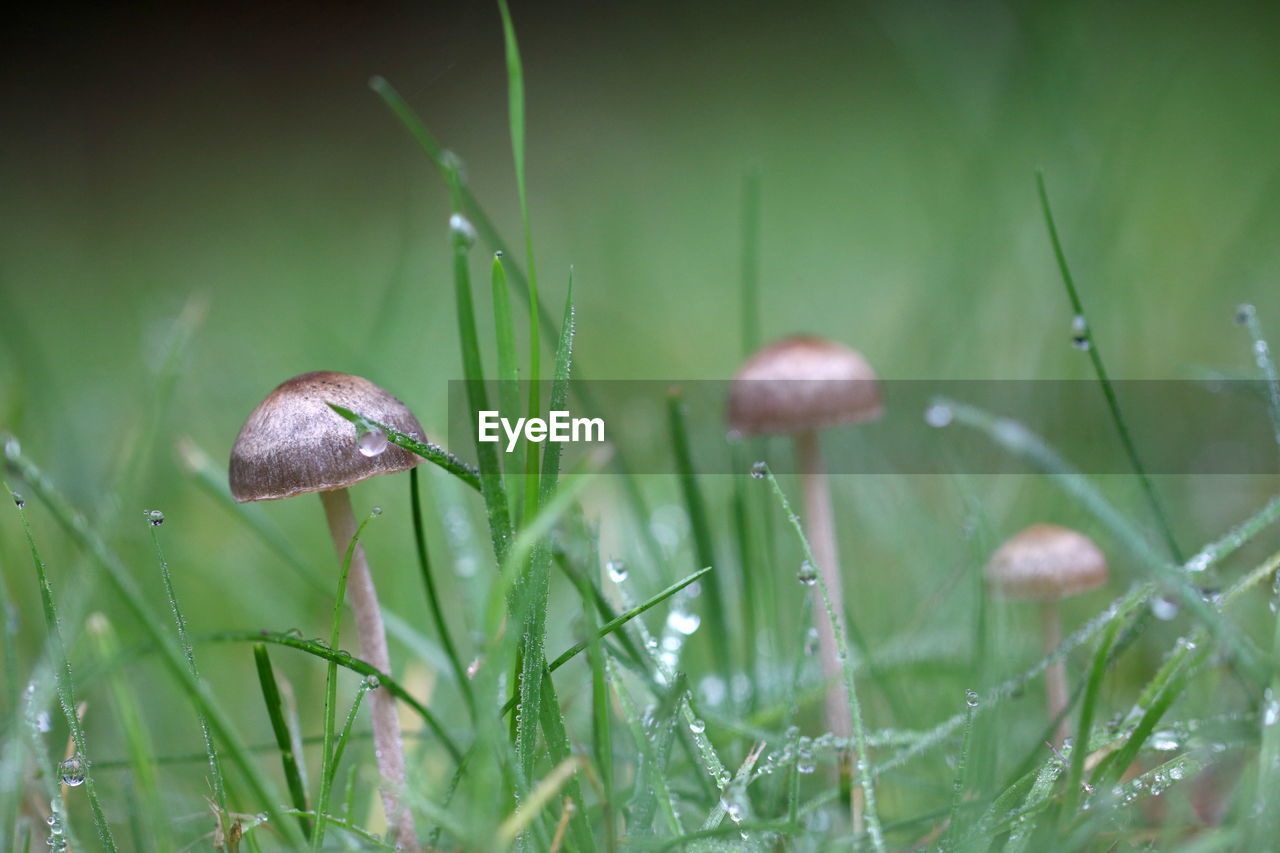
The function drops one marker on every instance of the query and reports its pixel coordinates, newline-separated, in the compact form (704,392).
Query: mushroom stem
(820,527)
(388,747)
(1055,677)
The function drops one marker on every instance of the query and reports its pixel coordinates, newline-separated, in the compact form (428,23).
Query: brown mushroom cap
(1046,562)
(802,383)
(294,443)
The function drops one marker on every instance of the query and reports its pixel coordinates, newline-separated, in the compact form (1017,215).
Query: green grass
(554,703)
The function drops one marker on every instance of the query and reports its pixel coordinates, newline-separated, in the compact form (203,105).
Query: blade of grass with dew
(433,453)
(649,791)
(508,366)
(533,589)
(1088,705)
(340,745)
(433,596)
(704,551)
(347,661)
(1247,316)
(1020,441)
(142,762)
(280,728)
(331,692)
(863,766)
(558,744)
(601,719)
(180,623)
(748,569)
(515,119)
(962,763)
(1265,800)
(491,485)
(450,169)
(64,683)
(1084,335)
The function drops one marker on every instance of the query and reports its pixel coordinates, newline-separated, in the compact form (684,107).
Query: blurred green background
(226,170)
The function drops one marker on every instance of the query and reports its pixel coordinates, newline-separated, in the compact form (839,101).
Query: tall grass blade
(215,763)
(433,595)
(1083,332)
(64,683)
(331,693)
(863,767)
(1247,316)
(704,551)
(280,728)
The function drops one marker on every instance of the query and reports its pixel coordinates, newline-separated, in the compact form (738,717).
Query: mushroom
(1047,563)
(294,443)
(796,387)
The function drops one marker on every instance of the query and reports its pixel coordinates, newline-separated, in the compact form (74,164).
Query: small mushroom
(1047,563)
(294,443)
(798,386)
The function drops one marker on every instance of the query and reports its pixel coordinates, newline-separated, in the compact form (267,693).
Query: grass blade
(1084,337)
(1247,316)
(864,770)
(280,728)
(64,683)
(331,693)
(433,453)
(703,548)
(433,597)
(215,763)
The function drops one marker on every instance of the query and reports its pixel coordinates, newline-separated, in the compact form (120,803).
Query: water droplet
(683,621)
(723,778)
(18,500)
(1244,313)
(1164,608)
(372,443)
(758,469)
(805,764)
(697,726)
(939,415)
(971,698)
(294,633)
(1175,772)
(154,516)
(807,574)
(1270,708)
(1079,332)
(811,641)
(71,771)
(376,511)
(462,229)
(617,570)
(12,449)
(372,681)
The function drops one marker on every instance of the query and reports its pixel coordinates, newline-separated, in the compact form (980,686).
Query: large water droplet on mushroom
(372,443)
(71,771)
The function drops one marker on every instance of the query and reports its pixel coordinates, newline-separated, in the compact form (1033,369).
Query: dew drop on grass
(757,470)
(372,682)
(683,621)
(1244,313)
(1079,332)
(617,570)
(1164,608)
(938,415)
(723,778)
(294,633)
(807,574)
(971,698)
(372,443)
(462,229)
(376,511)
(697,726)
(71,771)
(154,516)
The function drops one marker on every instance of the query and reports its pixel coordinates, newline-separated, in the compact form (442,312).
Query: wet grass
(590,686)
